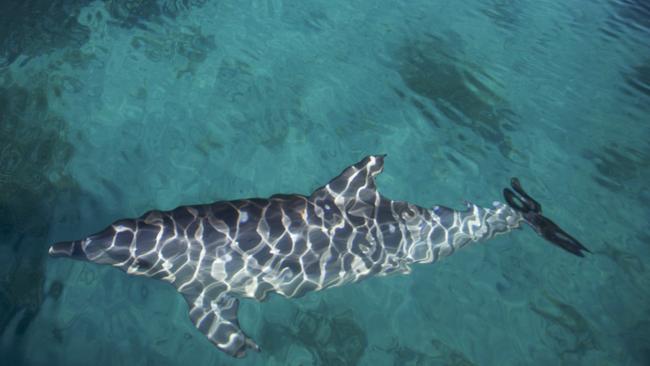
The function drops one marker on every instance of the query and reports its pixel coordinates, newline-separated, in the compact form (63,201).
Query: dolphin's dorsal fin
(355,183)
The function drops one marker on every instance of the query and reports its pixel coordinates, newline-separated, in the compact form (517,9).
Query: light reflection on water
(107,110)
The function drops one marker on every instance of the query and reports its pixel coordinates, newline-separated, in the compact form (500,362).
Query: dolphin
(291,244)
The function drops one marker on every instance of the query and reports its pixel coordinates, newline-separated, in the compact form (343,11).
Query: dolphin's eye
(408,213)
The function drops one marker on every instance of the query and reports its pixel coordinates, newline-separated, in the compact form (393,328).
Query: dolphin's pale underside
(292,244)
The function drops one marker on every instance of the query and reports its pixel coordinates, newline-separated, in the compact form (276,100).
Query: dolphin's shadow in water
(561,320)
(441,354)
(329,338)
(446,85)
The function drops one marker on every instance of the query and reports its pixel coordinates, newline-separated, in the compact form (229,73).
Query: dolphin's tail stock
(531,210)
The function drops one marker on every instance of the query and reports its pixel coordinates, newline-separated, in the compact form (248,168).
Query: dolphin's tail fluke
(531,210)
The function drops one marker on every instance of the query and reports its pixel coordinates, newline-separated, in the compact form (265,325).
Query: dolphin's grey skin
(343,232)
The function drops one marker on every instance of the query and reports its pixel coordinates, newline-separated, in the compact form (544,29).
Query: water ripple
(461,91)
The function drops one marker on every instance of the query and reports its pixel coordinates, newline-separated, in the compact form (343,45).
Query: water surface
(108,109)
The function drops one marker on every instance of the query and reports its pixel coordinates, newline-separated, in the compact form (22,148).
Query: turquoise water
(108,109)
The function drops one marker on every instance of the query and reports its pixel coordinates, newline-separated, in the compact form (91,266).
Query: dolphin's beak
(72,249)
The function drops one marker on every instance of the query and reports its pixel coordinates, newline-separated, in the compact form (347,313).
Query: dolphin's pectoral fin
(356,182)
(217,319)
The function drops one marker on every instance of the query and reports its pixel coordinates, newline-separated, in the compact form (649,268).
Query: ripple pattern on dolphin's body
(291,244)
